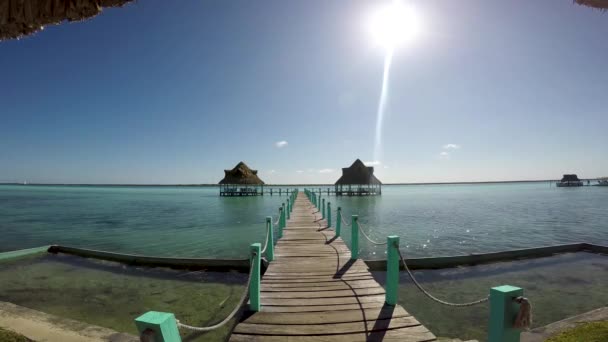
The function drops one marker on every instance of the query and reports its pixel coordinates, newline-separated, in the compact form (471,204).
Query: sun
(394,24)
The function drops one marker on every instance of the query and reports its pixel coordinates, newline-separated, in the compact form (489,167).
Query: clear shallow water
(558,287)
(194,221)
(112,295)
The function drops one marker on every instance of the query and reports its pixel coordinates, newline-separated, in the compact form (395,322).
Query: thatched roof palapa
(358,173)
(570,178)
(20,18)
(599,4)
(241,174)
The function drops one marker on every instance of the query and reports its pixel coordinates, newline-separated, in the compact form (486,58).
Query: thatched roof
(358,173)
(599,4)
(241,174)
(20,18)
(570,178)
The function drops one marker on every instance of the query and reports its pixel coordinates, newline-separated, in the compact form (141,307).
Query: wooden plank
(325,329)
(325,317)
(312,291)
(323,294)
(408,334)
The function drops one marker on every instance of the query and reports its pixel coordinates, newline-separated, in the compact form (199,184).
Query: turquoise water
(194,221)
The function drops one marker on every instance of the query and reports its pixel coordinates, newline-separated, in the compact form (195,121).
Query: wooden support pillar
(354,248)
(323,209)
(338,221)
(328,214)
(270,240)
(158,326)
(503,311)
(392,269)
(254,285)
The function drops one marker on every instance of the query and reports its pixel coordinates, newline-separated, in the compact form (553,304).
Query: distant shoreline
(285,185)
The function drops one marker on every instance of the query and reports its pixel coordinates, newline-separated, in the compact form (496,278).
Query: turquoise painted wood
(163,324)
(280,222)
(329,214)
(392,269)
(23,252)
(338,221)
(288,209)
(254,285)
(323,209)
(270,240)
(503,311)
(283,217)
(354,248)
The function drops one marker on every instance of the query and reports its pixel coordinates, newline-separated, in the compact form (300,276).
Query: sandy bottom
(112,295)
(558,287)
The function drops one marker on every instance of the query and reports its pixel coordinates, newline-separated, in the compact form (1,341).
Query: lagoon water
(431,220)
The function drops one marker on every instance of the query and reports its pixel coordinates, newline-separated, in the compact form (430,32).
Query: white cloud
(281,144)
(444,155)
(386,166)
(300,171)
(273,171)
(372,163)
(326,170)
(451,147)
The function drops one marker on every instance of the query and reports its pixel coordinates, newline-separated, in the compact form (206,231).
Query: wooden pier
(313,291)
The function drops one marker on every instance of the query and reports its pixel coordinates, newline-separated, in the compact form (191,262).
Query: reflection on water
(112,295)
(558,287)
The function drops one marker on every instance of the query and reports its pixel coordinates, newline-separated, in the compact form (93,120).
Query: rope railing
(266,239)
(230,316)
(368,238)
(426,293)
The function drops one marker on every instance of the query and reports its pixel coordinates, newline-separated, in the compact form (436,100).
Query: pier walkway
(313,291)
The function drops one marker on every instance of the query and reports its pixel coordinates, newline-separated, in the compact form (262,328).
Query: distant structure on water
(569,180)
(241,181)
(358,180)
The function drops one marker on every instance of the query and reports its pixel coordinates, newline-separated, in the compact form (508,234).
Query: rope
(344,222)
(483,300)
(369,239)
(266,241)
(230,316)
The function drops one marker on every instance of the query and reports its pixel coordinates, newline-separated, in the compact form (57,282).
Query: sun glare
(393,25)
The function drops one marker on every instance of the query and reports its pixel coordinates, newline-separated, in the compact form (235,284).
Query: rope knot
(524,316)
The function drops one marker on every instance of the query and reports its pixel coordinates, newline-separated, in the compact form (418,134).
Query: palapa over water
(241,181)
(358,179)
(20,18)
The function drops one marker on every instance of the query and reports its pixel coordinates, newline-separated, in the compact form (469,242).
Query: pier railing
(509,310)
(164,326)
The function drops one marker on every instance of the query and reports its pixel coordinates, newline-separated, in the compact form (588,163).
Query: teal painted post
(270,241)
(280,222)
(392,269)
(329,214)
(338,221)
(319,201)
(323,208)
(288,208)
(163,324)
(254,285)
(284,215)
(354,248)
(503,311)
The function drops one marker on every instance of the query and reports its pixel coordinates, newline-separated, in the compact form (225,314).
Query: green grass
(588,332)
(9,336)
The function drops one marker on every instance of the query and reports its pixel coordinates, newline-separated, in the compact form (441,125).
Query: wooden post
(280,235)
(338,221)
(288,208)
(392,269)
(503,311)
(354,248)
(323,209)
(254,285)
(161,326)
(328,214)
(270,240)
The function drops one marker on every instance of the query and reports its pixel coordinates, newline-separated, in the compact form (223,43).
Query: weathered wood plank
(312,291)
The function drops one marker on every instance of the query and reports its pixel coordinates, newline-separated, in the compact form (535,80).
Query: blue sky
(175,92)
